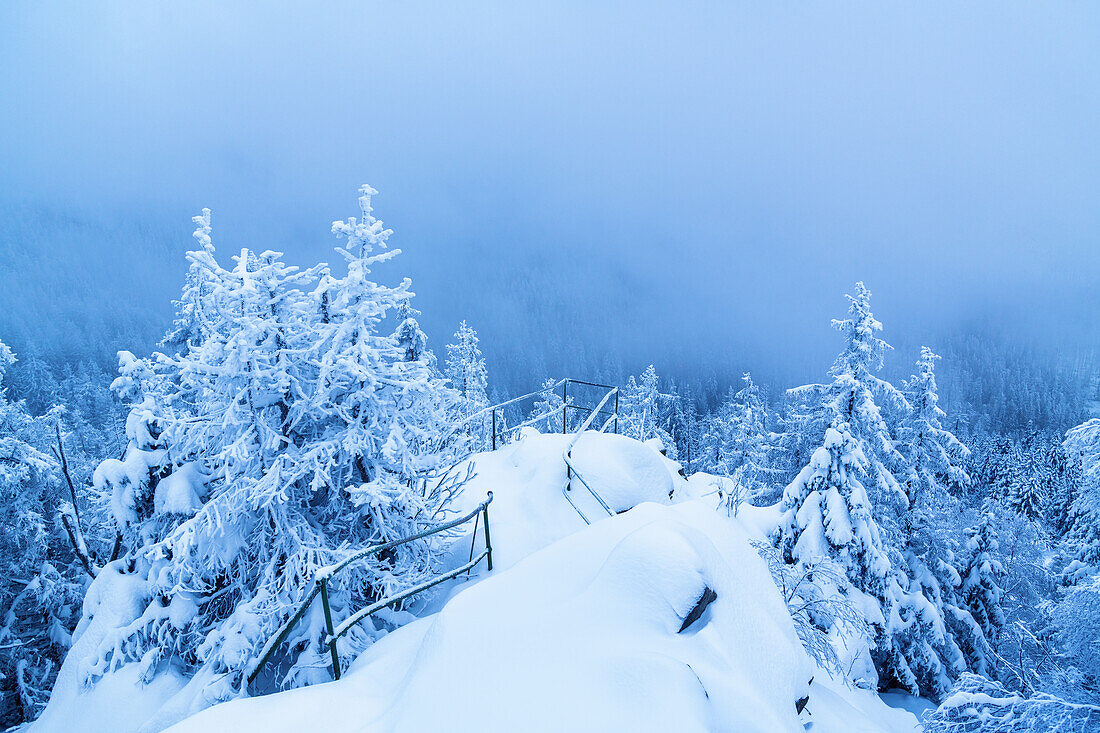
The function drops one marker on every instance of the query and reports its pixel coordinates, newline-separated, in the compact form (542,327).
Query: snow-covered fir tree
(858,397)
(827,517)
(979,588)
(1026,495)
(290,432)
(643,409)
(743,441)
(935,458)
(39,594)
(466,371)
(192,323)
(934,468)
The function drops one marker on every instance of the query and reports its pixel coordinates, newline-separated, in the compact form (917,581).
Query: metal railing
(567,455)
(324,576)
(498,434)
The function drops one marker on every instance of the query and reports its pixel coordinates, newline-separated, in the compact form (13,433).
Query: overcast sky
(693,183)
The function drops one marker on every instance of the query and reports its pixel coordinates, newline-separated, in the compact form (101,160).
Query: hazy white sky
(699,179)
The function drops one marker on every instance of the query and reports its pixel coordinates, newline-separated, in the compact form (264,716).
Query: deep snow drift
(582,635)
(577,628)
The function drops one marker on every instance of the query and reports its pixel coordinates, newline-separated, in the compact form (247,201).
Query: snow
(577,628)
(180,492)
(527,477)
(840,709)
(118,701)
(582,635)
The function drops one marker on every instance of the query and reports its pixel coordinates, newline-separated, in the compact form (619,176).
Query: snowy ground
(578,628)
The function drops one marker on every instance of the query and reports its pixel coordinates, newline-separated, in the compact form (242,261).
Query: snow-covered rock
(527,477)
(584,635)
(577,628)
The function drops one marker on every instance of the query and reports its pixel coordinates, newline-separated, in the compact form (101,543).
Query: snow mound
(607,629)
(529,511)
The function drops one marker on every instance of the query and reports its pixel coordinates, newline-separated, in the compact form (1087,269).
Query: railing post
(488,542)
(494,428)
(616,411)
(329,628)
(564,405)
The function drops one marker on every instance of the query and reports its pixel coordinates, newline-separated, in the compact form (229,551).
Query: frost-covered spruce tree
(420,440)
(39,595)
(643,407)
(412,342)
(1026,496)
(935,458)
(934,465)
(192,323)
(827,517)
(744,442)
(979,588)
(858,397)
(466,370)
(861,399)
(294,431)
(1082,446)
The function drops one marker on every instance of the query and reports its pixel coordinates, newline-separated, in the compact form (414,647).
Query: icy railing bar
(570,469)
(357,617)
(321,580)
(485,410)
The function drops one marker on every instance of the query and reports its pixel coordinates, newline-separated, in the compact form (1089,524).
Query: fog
(690,184)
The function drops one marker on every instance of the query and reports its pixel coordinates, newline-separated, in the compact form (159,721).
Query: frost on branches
(291,427)
(979,705)
(742,442)
(39,600)
(1082,445)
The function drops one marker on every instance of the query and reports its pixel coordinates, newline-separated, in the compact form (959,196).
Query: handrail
(571,469)
(324,575)
(358,616)
(333,569)
(470,418)
(492,410)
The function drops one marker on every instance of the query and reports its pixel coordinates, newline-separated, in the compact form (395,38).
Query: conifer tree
(743,441)
(466,370)
(1082,446)
(934,456)
(827,517)
(643,409)
(1026,495)
(38,594)
(861,399)
(292,431)
(979,588)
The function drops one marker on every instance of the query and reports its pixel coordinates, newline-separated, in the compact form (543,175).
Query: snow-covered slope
(577,628)
(582,635)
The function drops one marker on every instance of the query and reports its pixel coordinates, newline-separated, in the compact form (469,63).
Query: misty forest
(592,415)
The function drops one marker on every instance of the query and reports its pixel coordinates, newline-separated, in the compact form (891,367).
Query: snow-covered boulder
(527,477)
(607,629)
